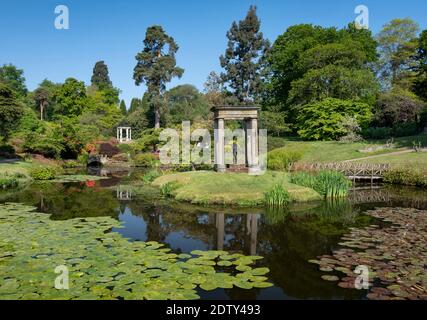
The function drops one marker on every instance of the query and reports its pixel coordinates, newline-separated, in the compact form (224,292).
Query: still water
(286,240)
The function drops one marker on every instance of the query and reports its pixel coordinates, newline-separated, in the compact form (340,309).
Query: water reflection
(286,239)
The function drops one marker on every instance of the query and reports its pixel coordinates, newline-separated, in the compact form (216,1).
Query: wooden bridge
(354,171)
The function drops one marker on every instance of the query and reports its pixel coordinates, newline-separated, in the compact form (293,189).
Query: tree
(11,110)
(323,120)
(14,78)
(397,47)
(156,66)
(123,107)
(185,103)
(41,97)
(420,86)
(397,107)
(244,58)
(71,98)
(100,76)
(135,104)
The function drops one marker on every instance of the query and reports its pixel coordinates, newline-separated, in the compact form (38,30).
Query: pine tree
(123,107)
(134,105)
(244,57)
(156,65)
(100,77)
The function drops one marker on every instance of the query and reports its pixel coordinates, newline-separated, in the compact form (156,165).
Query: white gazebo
(126,137)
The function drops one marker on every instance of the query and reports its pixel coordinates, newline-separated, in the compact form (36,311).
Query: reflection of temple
(123,193)
(251,231)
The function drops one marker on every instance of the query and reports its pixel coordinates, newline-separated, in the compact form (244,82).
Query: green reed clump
(330,184)
(277,196)
(167,189)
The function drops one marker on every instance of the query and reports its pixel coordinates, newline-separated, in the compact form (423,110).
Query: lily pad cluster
(104,265)
(395,254)
(77,178)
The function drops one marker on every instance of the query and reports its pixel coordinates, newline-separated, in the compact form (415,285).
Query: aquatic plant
(406,176)
(104,265)
(395,255)
(277,196)
(150,176)
(330,184)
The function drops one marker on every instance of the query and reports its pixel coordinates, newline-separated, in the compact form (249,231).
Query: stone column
(248,130)
(253,133)
(219,145)
(130,134)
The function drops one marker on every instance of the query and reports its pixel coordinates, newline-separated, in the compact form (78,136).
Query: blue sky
(113,31)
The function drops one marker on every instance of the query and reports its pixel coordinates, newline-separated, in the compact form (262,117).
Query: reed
(328,183)
(277,196)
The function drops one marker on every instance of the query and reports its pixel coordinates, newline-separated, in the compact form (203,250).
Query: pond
(286,240)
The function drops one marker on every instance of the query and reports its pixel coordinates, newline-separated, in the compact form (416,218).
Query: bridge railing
(349,169)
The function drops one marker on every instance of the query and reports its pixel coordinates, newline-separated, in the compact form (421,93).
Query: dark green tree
(11,110)
(135,104)
(185,103)
(244,58)
(123,107)
(420,86)
(14,78)
(156,66)
(100,76)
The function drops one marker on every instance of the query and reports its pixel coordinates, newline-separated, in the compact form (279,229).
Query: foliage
(138,121)
(310,63)
(274,122)
(123,109)
(323,120)
(156,66)
(244,57)
(397,45)
(42,97)
(14,78)
(104,265)
(406,176)
(6,150)
(397,107)
(150,176)
(377,132)
(185,103)
(43,173)
(145,160)
(100,76)
(282,159)
(149,141)
(277,196)
(420,85)
(11,110)
(71,98)
(352,129)
(167,189)
(330,184)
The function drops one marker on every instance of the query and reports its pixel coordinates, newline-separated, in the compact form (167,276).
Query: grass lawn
(20,167)
(206,187)
(329,151)
(411,160)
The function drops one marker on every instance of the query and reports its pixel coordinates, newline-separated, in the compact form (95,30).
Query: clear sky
(114,31)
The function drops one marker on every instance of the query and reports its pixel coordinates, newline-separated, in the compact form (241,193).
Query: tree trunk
(41,110)
(157,118)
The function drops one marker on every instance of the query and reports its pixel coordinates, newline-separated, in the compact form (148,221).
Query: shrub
(404,176)
(69,164)
(323,120)
(43,173)
(405,129)
(167,189)
(330,184)
(282,159)
(6,150)
(108,149)
(145,160)
(150,176)
(277,196)
(377,133)
(8,182)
